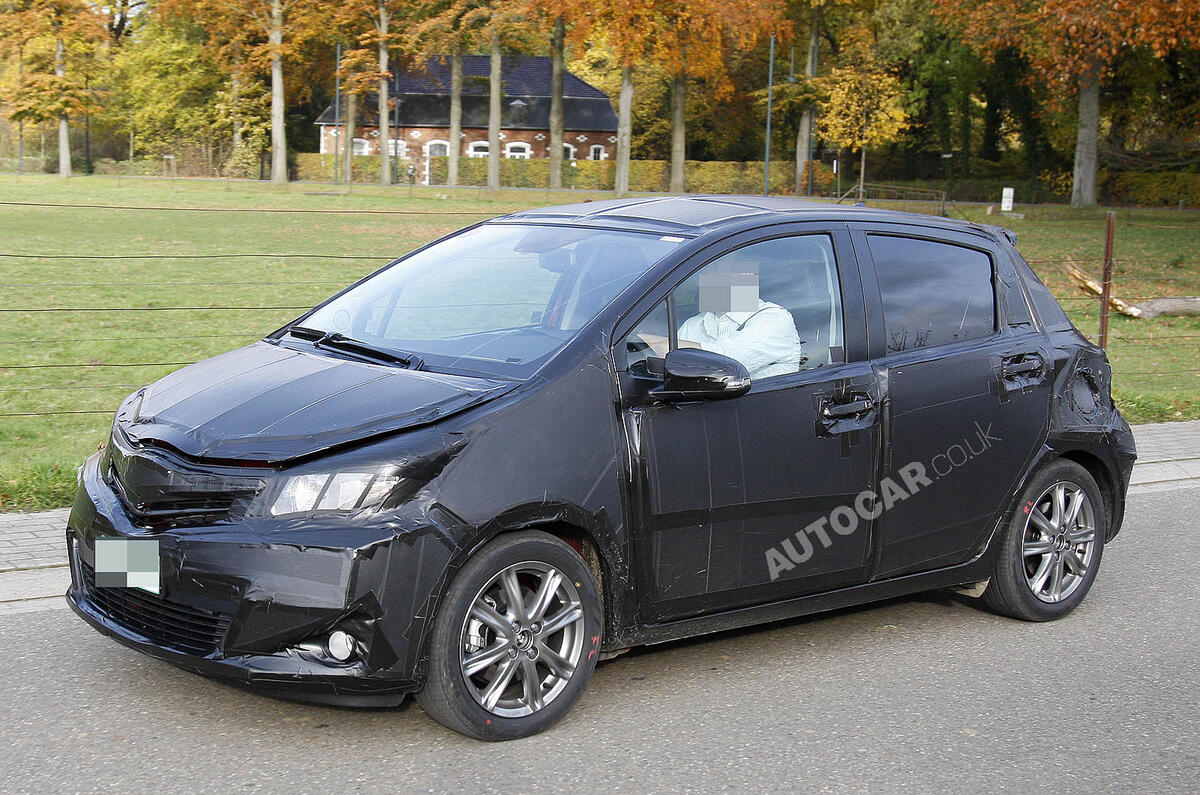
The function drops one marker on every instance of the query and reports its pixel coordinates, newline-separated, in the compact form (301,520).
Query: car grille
(158,493)
(175,626)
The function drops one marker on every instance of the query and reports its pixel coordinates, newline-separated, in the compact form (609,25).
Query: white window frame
(430,144)
(361,146)
(477,149)
(397,147)
(525,153)
(569,151)
(603,152)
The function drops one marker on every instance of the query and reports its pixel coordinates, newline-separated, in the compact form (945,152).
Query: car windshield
(496,300)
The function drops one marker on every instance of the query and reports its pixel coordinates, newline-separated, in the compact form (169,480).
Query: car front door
(730,498)
(967,389)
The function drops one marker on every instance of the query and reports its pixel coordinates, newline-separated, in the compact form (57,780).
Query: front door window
(775,306)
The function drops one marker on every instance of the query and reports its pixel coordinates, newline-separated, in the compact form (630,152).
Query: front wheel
(515,639)
(1052,547)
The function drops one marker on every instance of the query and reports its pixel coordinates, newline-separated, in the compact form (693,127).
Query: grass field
(81,258)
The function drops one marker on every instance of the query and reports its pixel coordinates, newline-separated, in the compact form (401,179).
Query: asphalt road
(924,694)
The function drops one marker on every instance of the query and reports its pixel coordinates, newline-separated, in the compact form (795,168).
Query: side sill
(972,571)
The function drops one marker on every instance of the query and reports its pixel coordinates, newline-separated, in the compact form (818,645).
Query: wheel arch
(608,571)
(1106,481)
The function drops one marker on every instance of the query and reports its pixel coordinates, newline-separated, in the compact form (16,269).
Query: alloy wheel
(522,639)
(1059,544)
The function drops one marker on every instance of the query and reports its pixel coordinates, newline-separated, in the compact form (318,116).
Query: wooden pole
(1106,281)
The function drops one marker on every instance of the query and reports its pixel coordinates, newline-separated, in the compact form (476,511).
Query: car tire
(1050,552)
(507,658)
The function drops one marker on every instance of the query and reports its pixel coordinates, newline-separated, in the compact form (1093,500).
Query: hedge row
(314,167)
(1138,189)
(1127,188)
(982,189)
(644,175)
(1152,190)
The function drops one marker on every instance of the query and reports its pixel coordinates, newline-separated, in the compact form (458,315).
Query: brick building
(421,121)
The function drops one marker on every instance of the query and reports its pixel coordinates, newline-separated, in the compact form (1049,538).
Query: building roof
(520,75)
(424,96)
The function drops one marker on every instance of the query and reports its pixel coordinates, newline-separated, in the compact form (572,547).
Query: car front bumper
(250,603)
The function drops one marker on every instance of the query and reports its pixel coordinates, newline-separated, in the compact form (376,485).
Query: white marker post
(1006,200)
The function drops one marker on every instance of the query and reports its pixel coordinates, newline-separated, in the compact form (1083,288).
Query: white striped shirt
(766,341)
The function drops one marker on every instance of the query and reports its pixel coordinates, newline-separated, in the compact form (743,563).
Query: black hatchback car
(564,432)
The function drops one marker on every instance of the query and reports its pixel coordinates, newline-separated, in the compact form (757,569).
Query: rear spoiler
(1001,231)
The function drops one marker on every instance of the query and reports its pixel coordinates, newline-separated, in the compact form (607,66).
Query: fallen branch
(1090,285)
(1170,306)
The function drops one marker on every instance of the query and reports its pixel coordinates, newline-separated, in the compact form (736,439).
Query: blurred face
(728,292)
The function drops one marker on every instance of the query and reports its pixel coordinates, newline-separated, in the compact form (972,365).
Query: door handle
(1013,368)
(839,410)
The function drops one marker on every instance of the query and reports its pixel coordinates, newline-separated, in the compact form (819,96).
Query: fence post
(1106,281)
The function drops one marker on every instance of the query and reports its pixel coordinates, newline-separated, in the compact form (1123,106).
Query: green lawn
(38,455)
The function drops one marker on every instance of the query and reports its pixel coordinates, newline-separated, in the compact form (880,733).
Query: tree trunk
(493,169)
(279,173)
(624,131)
(862,173)
(808,117)
(1083,187)
(454,150)
(802,138)
(348,138)
(236,90)
(1170,306)
(236,112)
(385,130)
(678,130)
(556,103)
(993,110)
(64,138)
(964,131)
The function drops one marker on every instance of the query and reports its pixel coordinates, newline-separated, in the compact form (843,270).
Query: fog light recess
(341,646)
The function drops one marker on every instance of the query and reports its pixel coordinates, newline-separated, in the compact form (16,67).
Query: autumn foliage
(941,88)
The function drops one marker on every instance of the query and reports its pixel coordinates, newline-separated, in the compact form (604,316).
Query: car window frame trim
(849,278)
(877,320)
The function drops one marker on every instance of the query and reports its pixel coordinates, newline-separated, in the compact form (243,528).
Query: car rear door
(721,491)
(967,392)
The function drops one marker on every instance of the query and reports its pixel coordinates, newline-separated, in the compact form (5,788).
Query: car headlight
(338,491)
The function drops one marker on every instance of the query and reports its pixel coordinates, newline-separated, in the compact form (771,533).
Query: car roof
(699,214)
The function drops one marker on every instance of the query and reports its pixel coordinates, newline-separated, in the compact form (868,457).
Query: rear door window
(933,292)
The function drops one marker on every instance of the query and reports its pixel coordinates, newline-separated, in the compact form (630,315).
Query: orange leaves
(1064,39)
(50,86)
(689,36)
(25,21)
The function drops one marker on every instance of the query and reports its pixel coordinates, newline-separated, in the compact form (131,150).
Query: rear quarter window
(933,292)
(1049,310)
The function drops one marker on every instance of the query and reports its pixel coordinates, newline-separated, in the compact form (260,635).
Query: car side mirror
(695,374)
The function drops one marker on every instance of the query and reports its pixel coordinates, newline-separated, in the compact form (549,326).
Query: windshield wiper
(306,333)
(335,340)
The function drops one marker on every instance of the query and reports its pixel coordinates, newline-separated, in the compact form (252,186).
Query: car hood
(267,404)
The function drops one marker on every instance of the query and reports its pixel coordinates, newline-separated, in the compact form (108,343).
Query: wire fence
(255,210)
(52,364)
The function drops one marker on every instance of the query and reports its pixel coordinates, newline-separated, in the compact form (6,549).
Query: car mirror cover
(697,373)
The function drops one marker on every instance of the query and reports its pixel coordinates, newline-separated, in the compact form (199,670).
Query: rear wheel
(515,640)
(1050,554)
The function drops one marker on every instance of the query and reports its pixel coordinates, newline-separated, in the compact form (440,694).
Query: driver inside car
(735,322)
